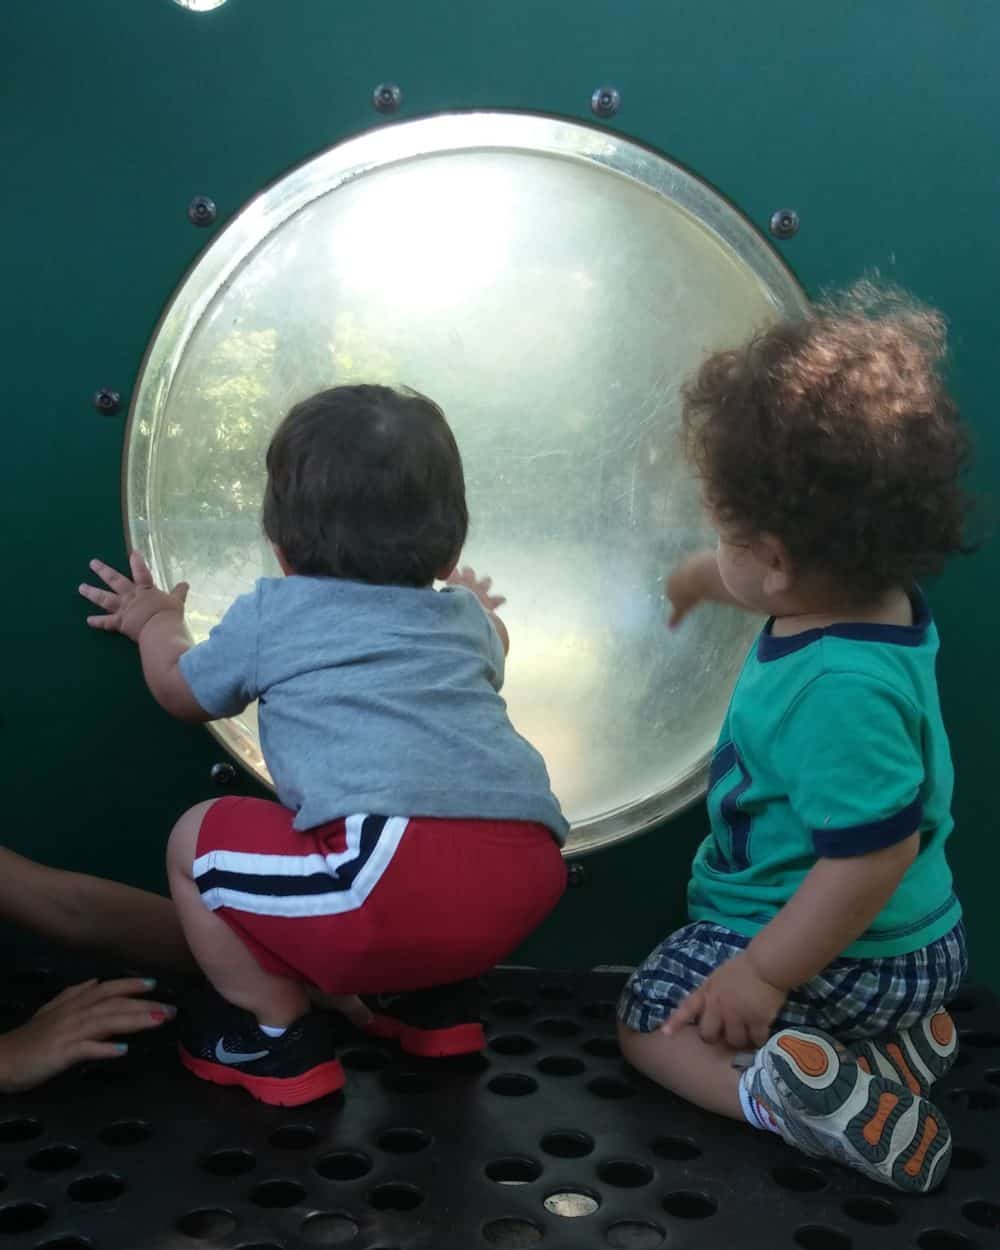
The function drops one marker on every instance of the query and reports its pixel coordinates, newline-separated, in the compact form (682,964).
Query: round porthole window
(550,285)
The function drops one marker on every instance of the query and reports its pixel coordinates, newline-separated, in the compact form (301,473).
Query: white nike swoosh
(235,1056)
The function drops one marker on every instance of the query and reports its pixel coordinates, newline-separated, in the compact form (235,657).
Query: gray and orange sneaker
(825,1104)
(915,1057)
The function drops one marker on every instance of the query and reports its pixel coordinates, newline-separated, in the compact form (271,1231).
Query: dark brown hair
(836,434)
(366,483)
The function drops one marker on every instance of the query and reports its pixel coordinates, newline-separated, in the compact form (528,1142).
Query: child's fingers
(111,577)
(105,599)
(66,995)
(110,621)
(83,1050)
(735,1031)
(710,1024)
(98,992)
(121,1016)
(140,570)
(687,1013)
(180,591)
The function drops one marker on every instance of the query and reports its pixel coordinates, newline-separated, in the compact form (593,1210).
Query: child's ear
(779,574)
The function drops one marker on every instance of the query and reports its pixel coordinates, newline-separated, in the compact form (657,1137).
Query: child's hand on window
(129,604)
(480,587)
(734,1005)
(75,1026)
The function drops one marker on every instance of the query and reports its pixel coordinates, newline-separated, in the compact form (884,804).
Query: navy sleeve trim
(873,836)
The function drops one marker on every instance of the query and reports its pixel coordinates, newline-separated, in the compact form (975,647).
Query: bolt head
(605,102)
(387,97)
(223,774)
(202,211)
(107,402)
(784,223)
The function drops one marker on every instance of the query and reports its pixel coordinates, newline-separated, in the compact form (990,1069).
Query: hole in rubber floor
(624,1173)
(567,1144)
(514,1170)
(54,1159)
(403,1141)
(690,1206)
(101,1187)
(125,1133)
(877,1211)
(819,1237)
(328,1228)
(22,1217)
(343,1165)
(512,1234)
(229,1162)
(206,1223)
(678,1149)
(799,1179)
(572,1204)
(395,1196)
(983,1214)
(634,1235)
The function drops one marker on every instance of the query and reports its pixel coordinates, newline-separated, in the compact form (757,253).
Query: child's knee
(182,844)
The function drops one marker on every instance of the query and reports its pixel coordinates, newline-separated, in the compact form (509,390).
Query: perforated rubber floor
(547,1139)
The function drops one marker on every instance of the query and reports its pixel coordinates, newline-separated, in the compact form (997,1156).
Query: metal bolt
(784,223)
(576,876)
(387,97)
(223,774)
(605,102)
(202,211)
(107,402)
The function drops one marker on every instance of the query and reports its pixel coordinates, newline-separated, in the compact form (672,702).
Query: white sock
(270,1030)
(755,1113)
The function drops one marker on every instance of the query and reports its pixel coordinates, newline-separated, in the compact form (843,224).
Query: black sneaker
(224,1044)
(434,1023)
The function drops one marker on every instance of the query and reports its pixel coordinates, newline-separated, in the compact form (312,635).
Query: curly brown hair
(836,434)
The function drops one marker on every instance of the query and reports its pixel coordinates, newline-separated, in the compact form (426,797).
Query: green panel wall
(877,122)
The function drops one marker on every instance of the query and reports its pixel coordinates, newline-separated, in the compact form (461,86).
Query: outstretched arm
(154,620)
(696,580)
(81,910)
(481,587)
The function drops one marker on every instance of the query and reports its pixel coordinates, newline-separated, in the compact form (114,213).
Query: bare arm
(829,911)
(81,910)
(154,620)
(481,587)
(696,580)
(833,906)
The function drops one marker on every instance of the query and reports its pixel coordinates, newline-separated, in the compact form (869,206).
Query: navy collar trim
(771,648)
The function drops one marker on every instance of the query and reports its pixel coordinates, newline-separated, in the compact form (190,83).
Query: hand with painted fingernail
(77,1025)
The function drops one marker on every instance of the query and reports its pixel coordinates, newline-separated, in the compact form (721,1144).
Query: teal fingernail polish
(149,982)
(121,1047)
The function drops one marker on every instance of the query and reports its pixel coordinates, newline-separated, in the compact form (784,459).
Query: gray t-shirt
(378,699)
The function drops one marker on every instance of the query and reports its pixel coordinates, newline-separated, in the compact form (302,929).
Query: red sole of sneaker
(460,1039)
(325,1078)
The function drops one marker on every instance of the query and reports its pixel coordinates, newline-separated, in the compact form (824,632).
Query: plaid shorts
(851,999)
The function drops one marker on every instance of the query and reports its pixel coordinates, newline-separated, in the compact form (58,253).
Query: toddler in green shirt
(808,994)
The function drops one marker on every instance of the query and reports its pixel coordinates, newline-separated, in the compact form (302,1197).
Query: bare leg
(698,1072)
(232,969)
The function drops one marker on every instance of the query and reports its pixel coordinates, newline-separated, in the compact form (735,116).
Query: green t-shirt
(833,747)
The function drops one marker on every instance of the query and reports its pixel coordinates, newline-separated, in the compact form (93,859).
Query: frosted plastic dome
(550,285)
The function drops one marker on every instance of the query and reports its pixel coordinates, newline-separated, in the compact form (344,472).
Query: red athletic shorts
(372,903)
